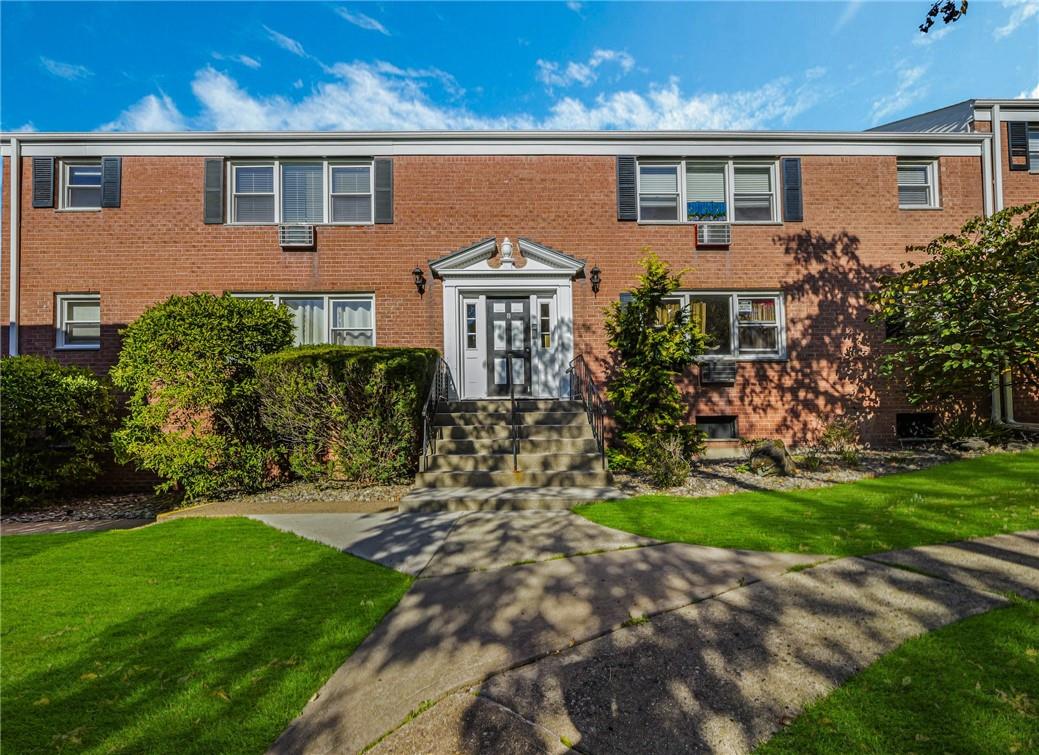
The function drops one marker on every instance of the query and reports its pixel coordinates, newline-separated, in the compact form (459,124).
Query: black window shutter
(1017,147)
(627,198)
(43,182)
(111,181)
(213,192)
(384,190)
(793,203)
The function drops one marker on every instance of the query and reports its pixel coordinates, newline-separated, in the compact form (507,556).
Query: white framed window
(351,193)
(708,191)
(739,325)
(252,193)
(344,319)
(918,184)
(78,321)
(81,185)
(301,191)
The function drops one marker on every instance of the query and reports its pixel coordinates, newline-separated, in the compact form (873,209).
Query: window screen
(718,428)
(302,192)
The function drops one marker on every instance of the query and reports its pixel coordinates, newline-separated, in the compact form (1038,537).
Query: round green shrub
(56,426)
(188,367)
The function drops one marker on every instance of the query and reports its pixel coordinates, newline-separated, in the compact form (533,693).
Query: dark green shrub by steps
(188,368)
(56,425)
(347,412)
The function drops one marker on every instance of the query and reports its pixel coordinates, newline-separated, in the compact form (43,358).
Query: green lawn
(983,496)
(969,687)
(191,636)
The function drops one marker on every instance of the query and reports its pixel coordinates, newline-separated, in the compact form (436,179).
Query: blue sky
(326,65)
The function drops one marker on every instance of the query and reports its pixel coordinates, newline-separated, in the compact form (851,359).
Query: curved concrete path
(536,657)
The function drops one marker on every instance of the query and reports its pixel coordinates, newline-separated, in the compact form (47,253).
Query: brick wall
(155,245)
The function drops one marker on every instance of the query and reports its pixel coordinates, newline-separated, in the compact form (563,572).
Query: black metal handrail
(583,388)
(512,409)
(438,391)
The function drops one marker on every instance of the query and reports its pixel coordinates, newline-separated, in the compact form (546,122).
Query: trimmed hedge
(56,425)
(347,412)
(188,367)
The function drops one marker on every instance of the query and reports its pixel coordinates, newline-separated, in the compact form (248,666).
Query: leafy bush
(839,436)
(960,426)
(649,351)
(56,424)
(348,412)
(188,367)
(667,461)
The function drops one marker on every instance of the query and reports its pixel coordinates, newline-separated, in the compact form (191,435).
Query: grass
(982,496)
(199,635)
(972,686)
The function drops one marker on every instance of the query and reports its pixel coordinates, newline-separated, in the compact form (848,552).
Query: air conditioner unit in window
(296,236)
(714,372)
(713,234)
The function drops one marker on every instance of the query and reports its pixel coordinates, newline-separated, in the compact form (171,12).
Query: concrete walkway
(533,657)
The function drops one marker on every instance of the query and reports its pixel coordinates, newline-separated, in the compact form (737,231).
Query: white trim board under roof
(365,144)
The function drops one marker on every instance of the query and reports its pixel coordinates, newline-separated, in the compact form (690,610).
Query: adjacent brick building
(516,235)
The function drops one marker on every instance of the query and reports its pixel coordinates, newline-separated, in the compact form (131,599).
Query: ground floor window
(739,325)
(344,319)
(915,425)
(78,323)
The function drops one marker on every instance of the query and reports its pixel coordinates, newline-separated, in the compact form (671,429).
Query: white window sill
(742,358)
(710,222)
(79,209)
(316,225)
(79,347)
(918,207)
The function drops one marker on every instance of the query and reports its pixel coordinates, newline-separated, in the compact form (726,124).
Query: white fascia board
(1008,113)
(662,144)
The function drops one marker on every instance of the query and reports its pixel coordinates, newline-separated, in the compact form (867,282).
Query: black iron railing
(512,408)
(583,388)
(438,392)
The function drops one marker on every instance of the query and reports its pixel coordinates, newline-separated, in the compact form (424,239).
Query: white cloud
(552,74)
(362,96)
(246,60)
(1022,10)
(923,40)
(910,87)
(575,6)
(69,71)
(285,42)
(1026,95)
(850,11)
(25,128)
(362,21)
(150,113)
(815,72)
(297,84)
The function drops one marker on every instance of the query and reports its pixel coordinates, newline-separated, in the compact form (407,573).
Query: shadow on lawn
(223,675)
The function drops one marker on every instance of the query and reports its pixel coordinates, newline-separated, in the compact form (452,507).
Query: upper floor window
(81,185)
(302,191)
(701,191)
(1033,147)
(344,319)
(78,321)
(918,184)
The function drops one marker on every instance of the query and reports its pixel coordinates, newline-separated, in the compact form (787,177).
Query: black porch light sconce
(420,280)
(596,278)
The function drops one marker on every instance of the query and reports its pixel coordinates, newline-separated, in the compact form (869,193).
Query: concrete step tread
(504,498)
(508,478)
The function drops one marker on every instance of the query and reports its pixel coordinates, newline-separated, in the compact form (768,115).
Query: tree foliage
(188,367)
(949,11)
(56,427)
(650,345)
(968,312)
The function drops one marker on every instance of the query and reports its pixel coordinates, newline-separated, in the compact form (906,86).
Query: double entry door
(508,335)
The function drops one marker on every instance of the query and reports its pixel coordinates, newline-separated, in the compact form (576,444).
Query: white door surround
(470,280)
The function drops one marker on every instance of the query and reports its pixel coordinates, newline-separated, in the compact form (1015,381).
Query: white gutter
(15,192)
(997,157)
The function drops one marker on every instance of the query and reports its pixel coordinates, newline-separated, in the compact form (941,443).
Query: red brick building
(523,236)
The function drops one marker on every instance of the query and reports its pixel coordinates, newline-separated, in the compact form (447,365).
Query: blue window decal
(706,211)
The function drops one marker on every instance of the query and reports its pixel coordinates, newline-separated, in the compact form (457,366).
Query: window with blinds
(344,319)
(79,321)
(708,191)
(753,194)
(658,192)
(302,192)
(1033,147)
(705,193)
(253,194)
(916,184)
(351,193)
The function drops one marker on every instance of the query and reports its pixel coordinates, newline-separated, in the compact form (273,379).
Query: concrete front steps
(558,459)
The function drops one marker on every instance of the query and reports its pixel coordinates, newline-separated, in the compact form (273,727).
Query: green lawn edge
(984,496)
(190,636)
(972,686)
